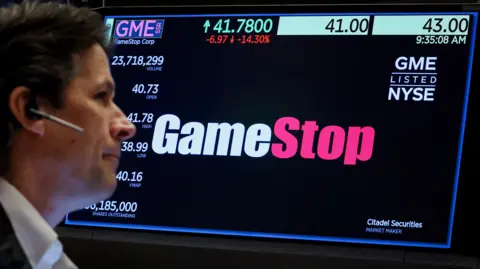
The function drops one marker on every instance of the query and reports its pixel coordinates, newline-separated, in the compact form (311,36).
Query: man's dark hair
(37,48)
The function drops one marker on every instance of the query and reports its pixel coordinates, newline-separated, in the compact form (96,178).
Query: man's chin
(98,187)
(108,187)
(102,188)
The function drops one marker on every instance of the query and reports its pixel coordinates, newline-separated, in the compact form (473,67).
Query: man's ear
(18,102)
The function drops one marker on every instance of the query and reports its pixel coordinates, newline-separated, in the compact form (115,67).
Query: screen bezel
(462,234)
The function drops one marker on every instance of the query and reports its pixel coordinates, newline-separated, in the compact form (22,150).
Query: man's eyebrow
(107,85)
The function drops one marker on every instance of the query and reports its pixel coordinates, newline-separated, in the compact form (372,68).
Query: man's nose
(122,129)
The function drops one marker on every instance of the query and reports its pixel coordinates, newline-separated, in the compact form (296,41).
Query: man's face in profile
(88,161)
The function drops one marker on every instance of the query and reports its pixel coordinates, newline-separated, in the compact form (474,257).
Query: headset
(34,113)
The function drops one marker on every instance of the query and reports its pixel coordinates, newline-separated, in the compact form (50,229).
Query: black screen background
(334,80)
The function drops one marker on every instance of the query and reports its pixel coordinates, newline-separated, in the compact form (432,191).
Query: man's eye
(101,95)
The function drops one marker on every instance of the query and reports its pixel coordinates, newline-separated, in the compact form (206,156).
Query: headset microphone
(56,119)
(34,113)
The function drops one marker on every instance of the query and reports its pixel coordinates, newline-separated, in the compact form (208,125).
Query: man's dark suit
(11,254)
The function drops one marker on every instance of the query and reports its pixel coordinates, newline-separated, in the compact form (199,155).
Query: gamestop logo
(225,139)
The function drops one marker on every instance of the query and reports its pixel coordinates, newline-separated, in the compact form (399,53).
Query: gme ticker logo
(139,28)
(225,139)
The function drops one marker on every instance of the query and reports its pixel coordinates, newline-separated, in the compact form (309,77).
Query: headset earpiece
(34,113)
(32,104)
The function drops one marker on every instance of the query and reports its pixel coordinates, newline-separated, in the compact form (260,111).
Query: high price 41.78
(140,117)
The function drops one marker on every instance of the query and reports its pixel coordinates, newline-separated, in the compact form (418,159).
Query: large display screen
(325,127)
